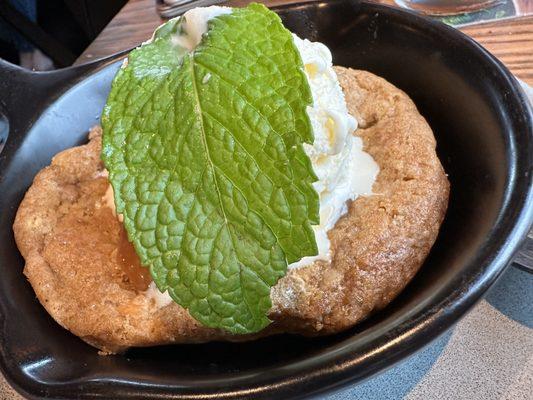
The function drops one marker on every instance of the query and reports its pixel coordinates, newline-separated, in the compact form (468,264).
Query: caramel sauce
(138,276)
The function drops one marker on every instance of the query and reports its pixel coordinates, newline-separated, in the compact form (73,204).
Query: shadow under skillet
(513,296)
(398,381)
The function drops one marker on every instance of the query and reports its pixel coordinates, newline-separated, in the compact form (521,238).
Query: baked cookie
(70,239)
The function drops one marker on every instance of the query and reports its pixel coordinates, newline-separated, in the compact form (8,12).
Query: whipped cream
(344,170)
(160,299)
(194,25)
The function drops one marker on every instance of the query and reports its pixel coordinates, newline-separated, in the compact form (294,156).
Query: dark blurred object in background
(173,8)
(43,34)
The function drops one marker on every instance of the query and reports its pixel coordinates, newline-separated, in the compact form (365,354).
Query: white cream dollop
(160,299)
(194,25)
(344,170)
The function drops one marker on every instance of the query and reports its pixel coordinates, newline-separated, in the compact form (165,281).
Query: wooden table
(511,40)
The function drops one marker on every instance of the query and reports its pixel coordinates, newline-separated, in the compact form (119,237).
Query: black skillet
(484,132)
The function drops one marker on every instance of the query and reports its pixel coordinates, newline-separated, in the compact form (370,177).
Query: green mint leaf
(204,152)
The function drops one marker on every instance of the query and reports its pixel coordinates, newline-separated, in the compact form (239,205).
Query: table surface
(489,354)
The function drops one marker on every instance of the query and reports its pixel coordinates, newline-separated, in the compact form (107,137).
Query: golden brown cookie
(69,238)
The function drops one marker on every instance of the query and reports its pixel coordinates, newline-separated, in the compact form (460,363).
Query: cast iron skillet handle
(25,94)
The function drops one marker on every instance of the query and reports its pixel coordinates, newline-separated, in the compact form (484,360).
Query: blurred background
(47,34)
